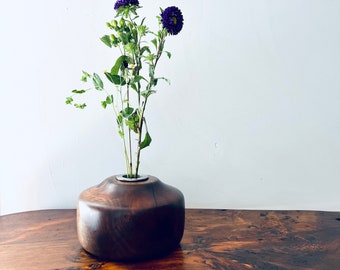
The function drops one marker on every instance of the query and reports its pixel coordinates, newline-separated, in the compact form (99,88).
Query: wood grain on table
(213,239)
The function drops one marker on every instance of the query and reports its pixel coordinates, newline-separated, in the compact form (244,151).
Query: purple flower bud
(120,3)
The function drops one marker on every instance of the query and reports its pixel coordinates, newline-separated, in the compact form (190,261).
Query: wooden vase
(130,220)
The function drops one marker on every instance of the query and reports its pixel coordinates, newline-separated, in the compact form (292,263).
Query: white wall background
(251,119)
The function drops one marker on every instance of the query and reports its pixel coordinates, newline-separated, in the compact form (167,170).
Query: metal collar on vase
(123,178)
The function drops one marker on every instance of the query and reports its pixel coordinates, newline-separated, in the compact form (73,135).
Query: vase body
(129,221)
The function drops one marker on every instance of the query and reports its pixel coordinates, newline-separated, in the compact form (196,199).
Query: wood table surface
(213,239)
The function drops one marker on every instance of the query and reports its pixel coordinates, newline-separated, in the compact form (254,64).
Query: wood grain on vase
(213,239)
(130,221)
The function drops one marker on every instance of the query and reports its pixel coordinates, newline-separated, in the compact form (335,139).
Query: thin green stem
(127,160)
(140,130)
(129,130)
(143,107)
(128,168)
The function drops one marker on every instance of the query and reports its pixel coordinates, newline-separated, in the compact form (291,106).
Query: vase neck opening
(124,178)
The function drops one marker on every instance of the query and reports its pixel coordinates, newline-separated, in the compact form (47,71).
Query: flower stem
(140,129)
(142,110)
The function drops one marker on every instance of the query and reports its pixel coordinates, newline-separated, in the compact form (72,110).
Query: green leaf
(127,112)
(138,78)
(147,93)
(124,37)
(142,29)
(80,106)
(109,76)
(118,64)
(133,121)
(120,120)
(135,80)
(168,54)
(85,76)
(104,104)
(97,82)
(154,42)
(131,124)
(109,99)
(146,142)
(151,71)
(115,79)
(78,91)
(106,40)
(121,134)
(150,57)
(69,100)
(165,79)
(133,86)
(130,47)
(145,49)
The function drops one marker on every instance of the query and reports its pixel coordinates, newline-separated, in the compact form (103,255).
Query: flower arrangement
(129,87)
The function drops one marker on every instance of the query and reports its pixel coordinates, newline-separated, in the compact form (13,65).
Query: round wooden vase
(126,220)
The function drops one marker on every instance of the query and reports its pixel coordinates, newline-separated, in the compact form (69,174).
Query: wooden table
(213,239)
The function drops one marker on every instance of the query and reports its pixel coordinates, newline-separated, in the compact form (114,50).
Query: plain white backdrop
(251,119)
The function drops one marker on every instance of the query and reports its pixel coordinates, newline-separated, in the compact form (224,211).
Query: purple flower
(120,3)
(172,20)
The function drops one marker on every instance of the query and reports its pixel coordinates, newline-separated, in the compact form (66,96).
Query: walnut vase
(130,220)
